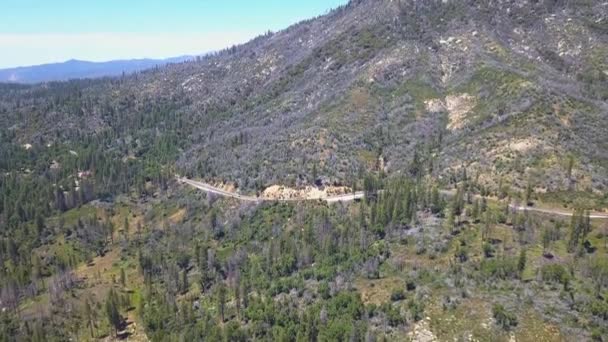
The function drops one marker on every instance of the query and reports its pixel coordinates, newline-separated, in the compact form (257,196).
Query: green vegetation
(306,271)
(505,319)
(98,241)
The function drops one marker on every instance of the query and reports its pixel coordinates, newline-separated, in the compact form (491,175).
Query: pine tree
(197,251)
(126,229)
(110,230)
(546,239)
(237,298)
(38,335)
(475,211)
(88,314)
(112,312)
(521,261)
(60,200)
(529,194)
(586,222)
(436,205)
(450,222)
(458,203)
(203,267)
(185,285)
(569,169)
(245,288)
(487,226)
(36,271)
(362,223)
(221,300)
(40,225)
(123,277)
(579,228)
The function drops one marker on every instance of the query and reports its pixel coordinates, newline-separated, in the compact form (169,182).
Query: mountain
(75,69)
(455,118)
(481,86)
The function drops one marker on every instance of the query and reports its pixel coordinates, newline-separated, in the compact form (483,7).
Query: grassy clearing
(532,328)
(378,291)
(471,320)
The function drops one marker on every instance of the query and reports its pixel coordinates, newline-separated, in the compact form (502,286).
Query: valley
(392,170)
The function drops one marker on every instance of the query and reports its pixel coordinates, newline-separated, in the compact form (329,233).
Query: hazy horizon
(38,32)
(102,61)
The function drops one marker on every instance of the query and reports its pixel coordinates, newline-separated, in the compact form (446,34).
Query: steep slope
(509,91)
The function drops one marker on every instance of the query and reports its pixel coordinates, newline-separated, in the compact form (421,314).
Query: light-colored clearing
(178,217)
(422,332)
(378,291)
(309,192)
(523,145)
(457,106)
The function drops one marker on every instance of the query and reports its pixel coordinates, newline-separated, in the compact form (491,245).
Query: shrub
(599,308)
(555,273)
(410,285)
(488,250)
(324,290)
(596,335)
(393,315)
(461,254)
(345,305)
(598,270)
(503,318)
(416,309)
(398,295)
(499,268)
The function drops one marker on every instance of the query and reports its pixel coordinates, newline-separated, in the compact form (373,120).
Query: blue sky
(42,31)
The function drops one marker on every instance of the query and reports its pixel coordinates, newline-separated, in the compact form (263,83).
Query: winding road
(214,190)
(354,196)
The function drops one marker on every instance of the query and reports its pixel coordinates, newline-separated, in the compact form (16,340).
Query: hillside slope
(473,110)
(512,91)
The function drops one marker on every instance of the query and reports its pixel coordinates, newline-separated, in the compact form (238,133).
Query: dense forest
(125,251)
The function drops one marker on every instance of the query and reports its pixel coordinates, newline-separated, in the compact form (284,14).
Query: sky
(43,31)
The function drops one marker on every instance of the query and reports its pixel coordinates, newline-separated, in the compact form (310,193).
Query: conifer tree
(112,311)
(185,285)
(221,300)
(123,277)
(89,315)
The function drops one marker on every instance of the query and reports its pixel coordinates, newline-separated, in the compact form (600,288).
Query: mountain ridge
(393,170)
(78,69)
(392,80)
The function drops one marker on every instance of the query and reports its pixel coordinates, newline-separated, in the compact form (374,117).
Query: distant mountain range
(76,69)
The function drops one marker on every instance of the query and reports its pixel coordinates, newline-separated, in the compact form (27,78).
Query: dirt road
(354,196)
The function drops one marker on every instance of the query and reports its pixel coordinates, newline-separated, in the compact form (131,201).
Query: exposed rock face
(457,107)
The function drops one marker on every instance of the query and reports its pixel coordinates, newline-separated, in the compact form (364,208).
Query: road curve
(351,197)
(214,190)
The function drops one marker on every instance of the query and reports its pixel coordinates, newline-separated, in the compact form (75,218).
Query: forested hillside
(454,109)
